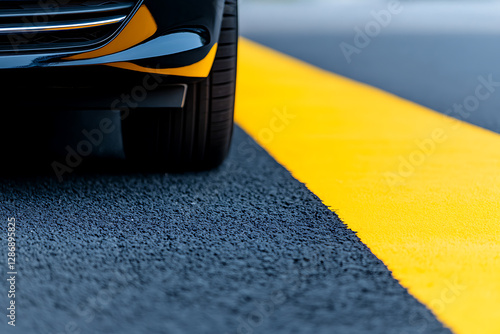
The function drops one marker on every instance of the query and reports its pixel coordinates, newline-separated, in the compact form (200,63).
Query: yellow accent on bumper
(200,69)
(139,28)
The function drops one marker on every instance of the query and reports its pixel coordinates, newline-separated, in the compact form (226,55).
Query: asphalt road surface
(242,249)
(245,248)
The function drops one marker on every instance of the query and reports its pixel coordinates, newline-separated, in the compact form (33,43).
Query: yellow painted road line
(419,188)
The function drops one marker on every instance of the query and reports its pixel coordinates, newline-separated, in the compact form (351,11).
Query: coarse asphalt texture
(242,249)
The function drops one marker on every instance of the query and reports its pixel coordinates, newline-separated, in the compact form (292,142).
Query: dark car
(168,67)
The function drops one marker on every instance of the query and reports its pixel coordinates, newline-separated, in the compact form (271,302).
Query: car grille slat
(28,25)
(58,26)
(28,11)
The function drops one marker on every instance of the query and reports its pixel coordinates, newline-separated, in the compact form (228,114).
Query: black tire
(198,137)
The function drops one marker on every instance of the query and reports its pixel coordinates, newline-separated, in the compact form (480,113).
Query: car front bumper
(168,37)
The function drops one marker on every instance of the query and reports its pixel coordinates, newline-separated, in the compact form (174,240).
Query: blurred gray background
(430,52)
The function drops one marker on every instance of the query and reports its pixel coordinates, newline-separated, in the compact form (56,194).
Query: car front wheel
(197,137)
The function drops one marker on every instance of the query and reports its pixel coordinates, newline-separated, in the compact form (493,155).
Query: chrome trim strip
(63,10)
(13,29)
